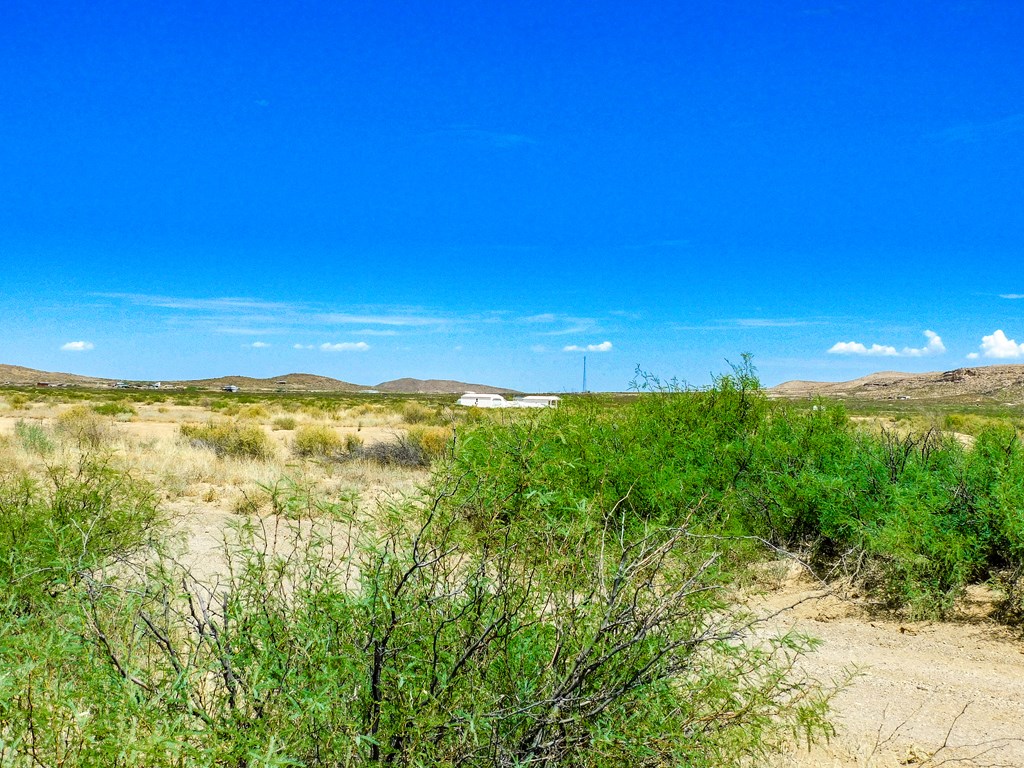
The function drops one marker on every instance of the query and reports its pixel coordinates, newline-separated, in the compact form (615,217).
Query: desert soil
(918,685)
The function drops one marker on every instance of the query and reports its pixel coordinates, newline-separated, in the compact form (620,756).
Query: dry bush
(284,422)
(231,438)
(417,413)
(84,427)
(317,441)
(433,441)
(253,411)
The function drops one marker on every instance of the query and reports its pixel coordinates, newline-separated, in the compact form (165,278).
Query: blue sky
(488,192)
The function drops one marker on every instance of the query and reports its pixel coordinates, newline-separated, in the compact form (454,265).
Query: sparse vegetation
(561,592)
(231,438)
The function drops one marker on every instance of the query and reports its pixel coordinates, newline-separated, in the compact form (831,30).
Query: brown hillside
(289,382)
(991,383)
(19,376)
(438,387)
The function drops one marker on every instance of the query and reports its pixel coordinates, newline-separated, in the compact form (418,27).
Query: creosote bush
(238,439)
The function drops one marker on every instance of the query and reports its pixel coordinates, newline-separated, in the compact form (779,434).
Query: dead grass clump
(284,422)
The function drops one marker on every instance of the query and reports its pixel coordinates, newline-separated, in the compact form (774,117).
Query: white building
(483,401)
(497,401)
(536,401)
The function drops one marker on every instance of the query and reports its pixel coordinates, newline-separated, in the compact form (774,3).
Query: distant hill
(288,382)
(439,387)
(18,375)
(987,383)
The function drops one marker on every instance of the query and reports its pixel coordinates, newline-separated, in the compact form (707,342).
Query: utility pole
(584,374)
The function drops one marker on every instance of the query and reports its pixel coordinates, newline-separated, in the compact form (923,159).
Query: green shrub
(231,438)
(115,409)
(317,441)
(55,531)
(408,649)
(284,422)
(34,438)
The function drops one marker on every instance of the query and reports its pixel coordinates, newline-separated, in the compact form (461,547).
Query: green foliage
(54,532)
(912,515)
(115,408)
(34,438)
(238,439)
(415,647)
(284,422)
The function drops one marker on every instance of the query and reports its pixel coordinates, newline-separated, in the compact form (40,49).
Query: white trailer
(482,400)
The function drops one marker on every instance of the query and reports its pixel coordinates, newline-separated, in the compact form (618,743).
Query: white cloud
(604,346)
(258,345)
(78,346)
(1011,295)
(997,345)
(856,348)
(933,347)
(972,355)
(303,346)
(345,346)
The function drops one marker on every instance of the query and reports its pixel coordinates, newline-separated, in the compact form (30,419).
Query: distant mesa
(17,375)
(987,383)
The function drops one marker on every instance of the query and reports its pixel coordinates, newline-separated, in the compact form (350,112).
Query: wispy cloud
(1011,295)
(771,322)
(604,346)
(406,320)
(997,345)
(544,317)
(78,346)
(374,332)
(933,347)
(221,304)
(345,346)
(303,346)
(257,345)
(973,133)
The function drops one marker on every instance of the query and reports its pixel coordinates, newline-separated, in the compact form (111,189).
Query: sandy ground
(918,686)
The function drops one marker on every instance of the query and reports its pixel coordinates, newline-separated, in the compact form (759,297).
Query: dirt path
(919,685)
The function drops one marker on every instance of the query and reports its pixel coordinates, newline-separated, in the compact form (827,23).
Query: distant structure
(229,388)
(475,399)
